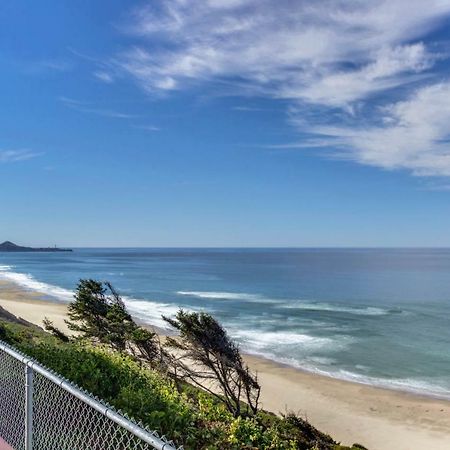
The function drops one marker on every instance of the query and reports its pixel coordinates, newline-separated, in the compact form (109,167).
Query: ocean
(375,316)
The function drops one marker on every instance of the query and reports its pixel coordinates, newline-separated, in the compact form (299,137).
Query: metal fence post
(56,414)
(28,408)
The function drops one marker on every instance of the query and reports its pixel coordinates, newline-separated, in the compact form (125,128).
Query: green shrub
(188,415)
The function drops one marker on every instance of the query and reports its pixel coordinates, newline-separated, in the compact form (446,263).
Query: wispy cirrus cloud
(281,48)
(147,127)
(105,71)
(356,73)
(46,66)
(248,109)
(88,108)
(104,76)
(389,68)
(11,156)
(413,134)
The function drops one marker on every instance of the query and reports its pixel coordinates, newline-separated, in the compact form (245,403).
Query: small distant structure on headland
(9,246)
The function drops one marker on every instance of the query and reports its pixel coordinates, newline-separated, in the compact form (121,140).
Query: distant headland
(8,246)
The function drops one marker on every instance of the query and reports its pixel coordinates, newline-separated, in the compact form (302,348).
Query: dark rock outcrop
(8,246)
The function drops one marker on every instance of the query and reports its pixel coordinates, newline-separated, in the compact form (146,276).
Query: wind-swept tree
(206,356)
(98,313)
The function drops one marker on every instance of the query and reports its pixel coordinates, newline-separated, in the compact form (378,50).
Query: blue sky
(225,123)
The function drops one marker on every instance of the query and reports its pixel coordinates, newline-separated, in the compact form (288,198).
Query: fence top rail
(121,419)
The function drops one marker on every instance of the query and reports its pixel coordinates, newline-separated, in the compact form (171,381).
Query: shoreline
(378,418)
(405,390)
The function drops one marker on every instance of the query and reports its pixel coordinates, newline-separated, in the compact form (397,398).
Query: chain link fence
(39,410)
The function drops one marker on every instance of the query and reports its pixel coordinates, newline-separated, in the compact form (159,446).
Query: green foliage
(189,415)
(98,312)
(48,326)
(116,378)
(249,432)
(144,341)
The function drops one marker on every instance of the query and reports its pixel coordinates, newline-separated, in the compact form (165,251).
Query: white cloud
(148,127)
(248,108)
(385,71)
(104,76)
(285,49)
(333,60)
(8,156)
(413,134)
(85,107)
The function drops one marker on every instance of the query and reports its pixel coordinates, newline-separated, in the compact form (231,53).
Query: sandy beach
(380,419)
(31,306)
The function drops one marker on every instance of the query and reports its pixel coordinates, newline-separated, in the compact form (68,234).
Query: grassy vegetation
(187,414)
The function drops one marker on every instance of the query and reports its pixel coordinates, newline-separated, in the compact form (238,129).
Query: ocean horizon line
(336,247)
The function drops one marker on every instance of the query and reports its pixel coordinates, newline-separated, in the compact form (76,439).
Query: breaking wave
(292,304)
(224,295)
(360,311)
(28,282)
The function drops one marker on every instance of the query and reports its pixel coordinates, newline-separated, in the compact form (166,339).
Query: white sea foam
(322,360)
(403,384)
(224,295)
(289,304)
(147,311)
(270,340)
(323,366)
(360,311)
(150,311)
(27,281)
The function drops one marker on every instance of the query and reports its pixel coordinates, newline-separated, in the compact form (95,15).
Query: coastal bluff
(8,246)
